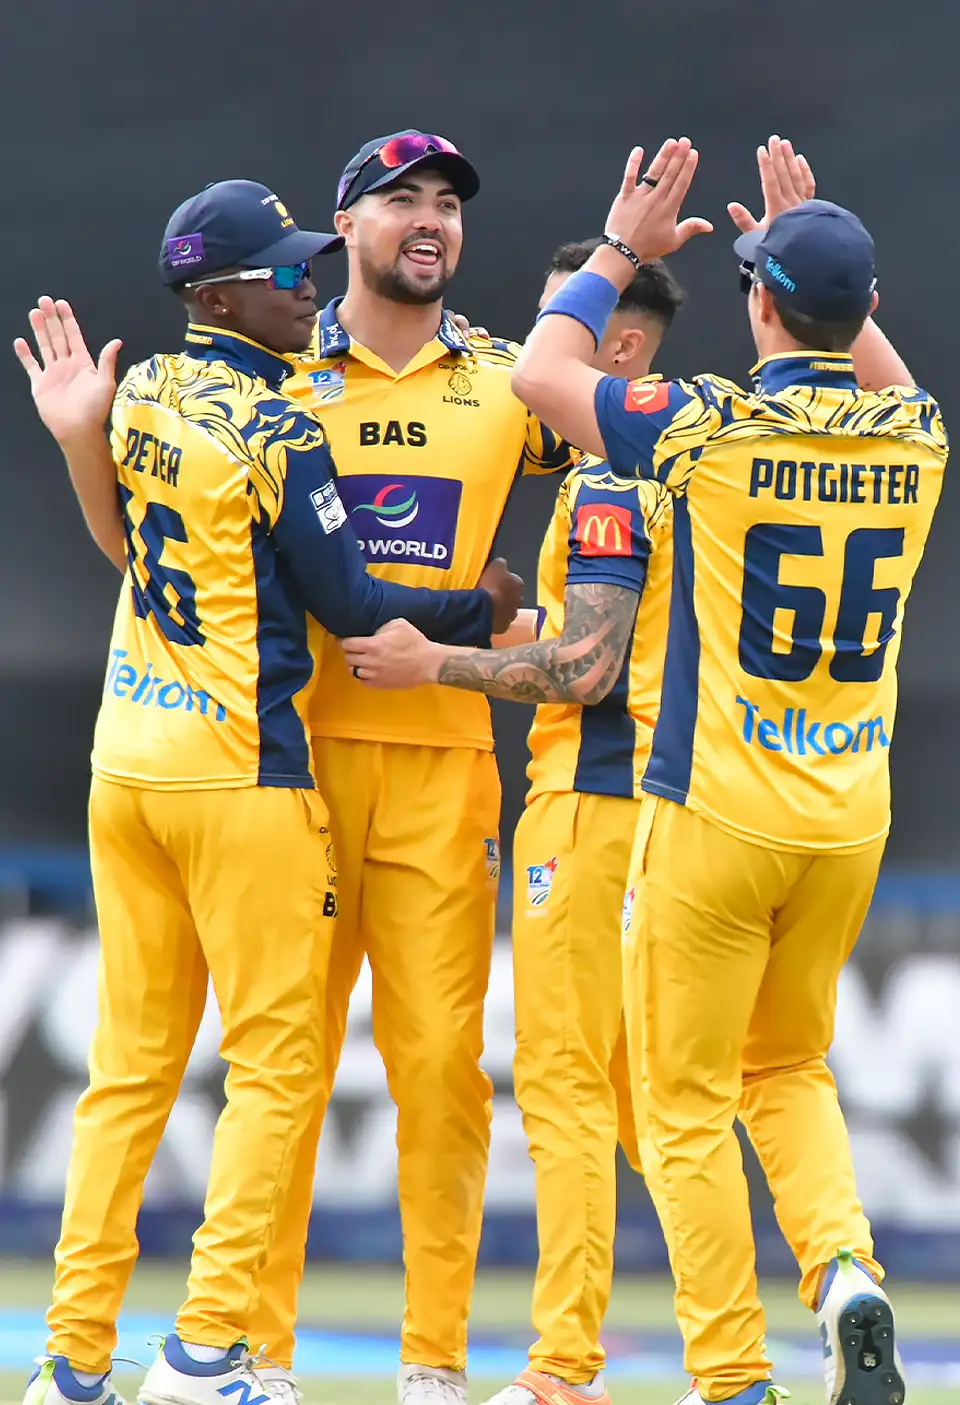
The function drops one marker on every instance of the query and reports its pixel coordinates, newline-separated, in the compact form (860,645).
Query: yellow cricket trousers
(413,826)
(733,960)
(235,883)
(570,1076)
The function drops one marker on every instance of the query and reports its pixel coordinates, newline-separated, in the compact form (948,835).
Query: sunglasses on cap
(285,278)
(397,152)
(748,276)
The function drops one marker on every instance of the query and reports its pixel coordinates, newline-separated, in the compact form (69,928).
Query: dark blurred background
(114,112)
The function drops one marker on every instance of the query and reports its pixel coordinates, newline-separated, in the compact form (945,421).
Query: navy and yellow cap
(818,258)
(235,223)
(384,160)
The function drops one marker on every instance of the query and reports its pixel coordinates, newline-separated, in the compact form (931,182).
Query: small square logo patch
(328,507)
(186,251)
(647,397)
(604,530)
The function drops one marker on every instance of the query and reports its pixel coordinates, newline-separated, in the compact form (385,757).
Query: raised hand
(785,180)
(72,393)
(645,214)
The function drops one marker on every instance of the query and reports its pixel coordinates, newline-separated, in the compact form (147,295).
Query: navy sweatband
(541,620)
(588,298)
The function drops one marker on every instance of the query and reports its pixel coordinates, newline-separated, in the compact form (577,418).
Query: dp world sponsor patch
(412,520)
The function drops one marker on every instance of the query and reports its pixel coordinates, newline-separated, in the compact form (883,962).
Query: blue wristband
(588,298)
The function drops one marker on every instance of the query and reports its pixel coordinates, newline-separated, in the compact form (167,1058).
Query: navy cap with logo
(818,258)
(235,223)
(387,159)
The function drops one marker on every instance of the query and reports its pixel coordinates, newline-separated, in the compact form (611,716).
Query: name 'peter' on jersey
(604,530)
(801,515)
(425,462)
(234,530)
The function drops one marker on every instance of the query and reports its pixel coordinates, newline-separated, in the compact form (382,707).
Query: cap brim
(747,245)
(463,177)
(295,247)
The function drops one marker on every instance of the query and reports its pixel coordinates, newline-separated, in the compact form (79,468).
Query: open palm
(785,180)
(72,392)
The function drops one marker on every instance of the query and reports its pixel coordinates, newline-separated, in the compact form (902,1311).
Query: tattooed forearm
(579,667)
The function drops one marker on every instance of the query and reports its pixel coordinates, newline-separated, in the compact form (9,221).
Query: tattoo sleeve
(579,667)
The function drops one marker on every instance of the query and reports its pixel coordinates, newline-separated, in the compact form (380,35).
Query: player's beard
(397,286)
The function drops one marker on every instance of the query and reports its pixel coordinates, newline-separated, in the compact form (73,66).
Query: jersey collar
(335,339)
(818,369)
(214,344)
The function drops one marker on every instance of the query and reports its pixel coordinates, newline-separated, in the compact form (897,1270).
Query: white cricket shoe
(54,1383)
(176,1379)
(431,1385)
(535,1387)
(762,1393)
(861,1362)
(279,1383)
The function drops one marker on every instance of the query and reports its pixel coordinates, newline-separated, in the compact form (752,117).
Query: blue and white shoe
(54,1383)
(176,1379)
(762,1393)
(860,1359)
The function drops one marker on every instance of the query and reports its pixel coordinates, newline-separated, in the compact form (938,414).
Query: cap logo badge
(776,271)
(185,251)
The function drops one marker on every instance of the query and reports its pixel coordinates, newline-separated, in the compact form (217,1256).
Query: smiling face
(405,239)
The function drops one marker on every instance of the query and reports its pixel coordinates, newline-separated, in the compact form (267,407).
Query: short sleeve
(544,451)
(609,540)
(657,429)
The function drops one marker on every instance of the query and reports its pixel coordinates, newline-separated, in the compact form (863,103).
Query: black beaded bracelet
(623,249)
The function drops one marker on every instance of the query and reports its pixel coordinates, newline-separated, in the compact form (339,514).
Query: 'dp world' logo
(396,519)
(603,530)
(392,507)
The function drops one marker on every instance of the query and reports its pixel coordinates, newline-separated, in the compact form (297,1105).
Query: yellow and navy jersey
(425,462)
(608,530)
(234,529)
(800,517)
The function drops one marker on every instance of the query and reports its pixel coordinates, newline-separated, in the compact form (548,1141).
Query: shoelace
(253,1361)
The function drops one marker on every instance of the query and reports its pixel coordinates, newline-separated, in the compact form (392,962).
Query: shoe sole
(871,1375)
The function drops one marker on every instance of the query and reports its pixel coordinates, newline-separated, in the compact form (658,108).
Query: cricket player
(595,673)
(801,512)
(209,843)
(428,438)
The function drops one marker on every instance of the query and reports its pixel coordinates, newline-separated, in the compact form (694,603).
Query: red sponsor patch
(604,531)
(647,396)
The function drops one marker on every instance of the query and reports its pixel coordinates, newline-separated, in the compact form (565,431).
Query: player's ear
(765,303)
(344,223)
(213,299)
(631,341)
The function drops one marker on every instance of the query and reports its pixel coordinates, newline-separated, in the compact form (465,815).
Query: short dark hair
(813,335)
(654,290)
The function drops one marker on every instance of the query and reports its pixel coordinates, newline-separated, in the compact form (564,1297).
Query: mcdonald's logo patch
(647,396)
(604,531)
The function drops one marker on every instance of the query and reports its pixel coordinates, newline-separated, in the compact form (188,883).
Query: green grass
(361,1297)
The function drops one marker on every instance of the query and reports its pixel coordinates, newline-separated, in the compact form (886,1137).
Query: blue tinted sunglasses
(286,277)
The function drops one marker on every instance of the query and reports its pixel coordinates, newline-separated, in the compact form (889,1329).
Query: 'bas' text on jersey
(425,462)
